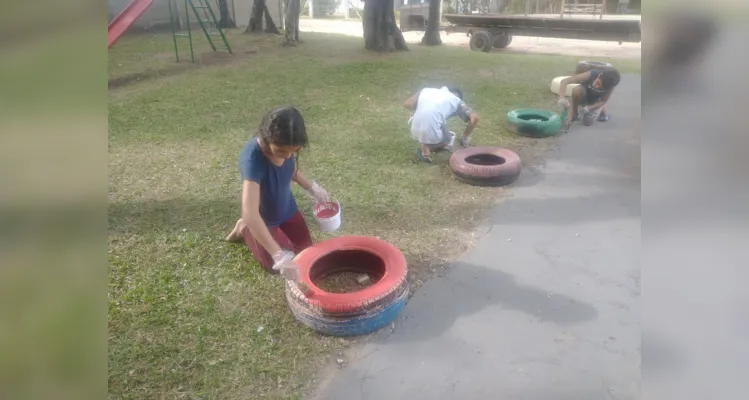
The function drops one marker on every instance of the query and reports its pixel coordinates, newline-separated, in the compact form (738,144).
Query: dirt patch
(172,67)
(343,282)
(485,73)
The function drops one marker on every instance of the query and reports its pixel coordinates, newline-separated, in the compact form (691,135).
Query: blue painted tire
(350,313)
(332,325)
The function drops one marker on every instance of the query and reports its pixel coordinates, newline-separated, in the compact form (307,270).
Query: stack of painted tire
(485,166)
(534,123)
(356,313)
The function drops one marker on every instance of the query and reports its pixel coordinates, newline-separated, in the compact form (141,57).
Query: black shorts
(588,97)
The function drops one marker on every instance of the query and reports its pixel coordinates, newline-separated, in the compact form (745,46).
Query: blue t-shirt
(277,204)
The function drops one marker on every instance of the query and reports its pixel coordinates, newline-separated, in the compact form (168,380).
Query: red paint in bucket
(326,210)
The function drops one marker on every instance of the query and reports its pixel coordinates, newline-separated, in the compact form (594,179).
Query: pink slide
(125,18)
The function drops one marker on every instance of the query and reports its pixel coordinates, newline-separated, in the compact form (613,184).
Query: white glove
(317,193)
(284,263)
(564,102)
(587,110)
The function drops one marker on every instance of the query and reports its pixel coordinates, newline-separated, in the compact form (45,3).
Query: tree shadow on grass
(174,68)
(144,217)
(151,74)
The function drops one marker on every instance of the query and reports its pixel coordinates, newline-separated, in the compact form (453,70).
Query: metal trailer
(413,17)
(489,31)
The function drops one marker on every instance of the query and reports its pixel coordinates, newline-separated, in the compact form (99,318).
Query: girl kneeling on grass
(271,225)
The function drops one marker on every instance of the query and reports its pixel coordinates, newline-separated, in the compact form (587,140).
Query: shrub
(322,8)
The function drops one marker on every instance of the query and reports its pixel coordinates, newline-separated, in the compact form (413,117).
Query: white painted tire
(555,86)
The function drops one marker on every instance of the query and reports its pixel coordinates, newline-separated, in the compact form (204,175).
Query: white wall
(158,13)
(354,4)
(243,9)
(360,4)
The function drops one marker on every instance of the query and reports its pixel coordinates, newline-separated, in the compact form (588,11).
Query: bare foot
(236,233)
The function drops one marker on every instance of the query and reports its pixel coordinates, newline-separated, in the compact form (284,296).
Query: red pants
(292,235)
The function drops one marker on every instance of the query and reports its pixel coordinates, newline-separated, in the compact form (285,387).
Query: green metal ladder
(207,20)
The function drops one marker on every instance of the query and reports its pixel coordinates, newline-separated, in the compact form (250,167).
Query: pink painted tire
(485,166)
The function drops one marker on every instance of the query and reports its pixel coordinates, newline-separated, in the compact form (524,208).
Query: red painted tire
(381,260)
(485,166)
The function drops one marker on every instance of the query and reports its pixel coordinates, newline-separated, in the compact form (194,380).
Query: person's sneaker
(603,117)
(588,119)
(420,157)
(465,141)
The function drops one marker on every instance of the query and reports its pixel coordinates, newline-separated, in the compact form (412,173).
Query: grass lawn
(191,316)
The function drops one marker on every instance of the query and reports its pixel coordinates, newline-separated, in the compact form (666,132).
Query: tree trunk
(225,20)
(260,9)
(432,33)
(380,31)
(293,10)
(256,17)
(270,26)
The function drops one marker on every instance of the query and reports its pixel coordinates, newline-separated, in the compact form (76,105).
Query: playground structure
(587,21)
(206,19)
(122,21)
(201,9)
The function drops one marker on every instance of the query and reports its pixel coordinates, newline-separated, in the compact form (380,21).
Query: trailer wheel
(481,40)
(585,66)
(502,40)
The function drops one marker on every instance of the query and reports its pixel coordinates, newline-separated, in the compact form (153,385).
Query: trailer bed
(625,29)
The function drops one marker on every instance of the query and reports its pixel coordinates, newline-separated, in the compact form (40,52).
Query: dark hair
(283,126)
(610,78)
(456,92)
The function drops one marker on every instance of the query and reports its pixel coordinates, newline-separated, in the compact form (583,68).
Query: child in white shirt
(431,109)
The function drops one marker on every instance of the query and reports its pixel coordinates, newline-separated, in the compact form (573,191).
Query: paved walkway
(546,306)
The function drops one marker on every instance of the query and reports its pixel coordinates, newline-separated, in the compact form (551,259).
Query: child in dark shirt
(271,225)
(594,90)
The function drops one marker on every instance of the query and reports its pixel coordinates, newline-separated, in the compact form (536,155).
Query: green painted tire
(534,123)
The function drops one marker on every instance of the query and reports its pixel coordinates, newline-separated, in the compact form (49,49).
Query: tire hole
(533,117)
(344,271)
(485,159)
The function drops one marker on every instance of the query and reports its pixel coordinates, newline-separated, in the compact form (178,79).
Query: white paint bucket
(556,82)
(328,216)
